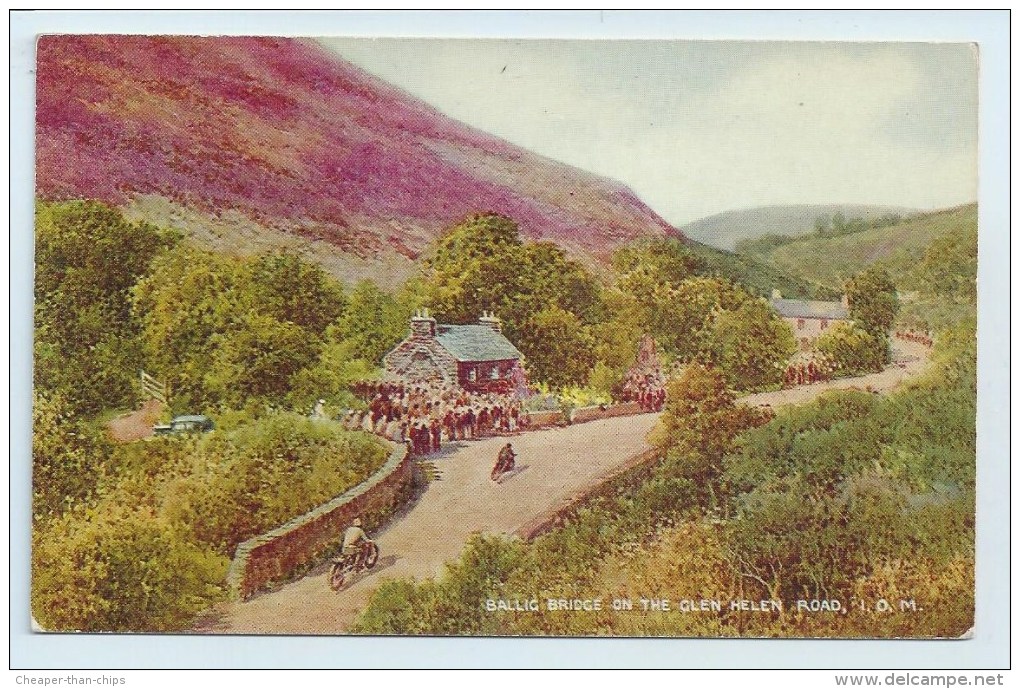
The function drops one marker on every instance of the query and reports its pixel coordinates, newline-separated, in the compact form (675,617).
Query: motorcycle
(504,464)
(345,565)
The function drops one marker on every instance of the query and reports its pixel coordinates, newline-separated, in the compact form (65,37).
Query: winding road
(554,467)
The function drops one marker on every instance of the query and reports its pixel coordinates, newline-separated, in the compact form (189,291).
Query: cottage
(476,357)
(809,319)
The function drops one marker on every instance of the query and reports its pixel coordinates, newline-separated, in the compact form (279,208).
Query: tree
(222,330)
(474,268)
(373,323)
(88,256)
(188,299)
(699,424)
(257,360)
(753,345)
(483,265)
(851,349)
(288,288)
(562,350)
(873,302)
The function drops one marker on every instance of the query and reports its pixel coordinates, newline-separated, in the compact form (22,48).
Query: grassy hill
(757,275)
(829,261)
(724,230)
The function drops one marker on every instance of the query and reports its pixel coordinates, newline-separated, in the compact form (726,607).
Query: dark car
(190,423)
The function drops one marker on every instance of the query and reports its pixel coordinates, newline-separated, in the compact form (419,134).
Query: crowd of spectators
(916,336)
(646,388)
(806,371)
(428,415)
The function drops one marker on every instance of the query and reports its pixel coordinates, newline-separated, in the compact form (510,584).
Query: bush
(258,476)
(69,457)
(118,568)
(852,350)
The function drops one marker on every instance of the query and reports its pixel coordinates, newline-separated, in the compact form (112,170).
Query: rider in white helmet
(354,538)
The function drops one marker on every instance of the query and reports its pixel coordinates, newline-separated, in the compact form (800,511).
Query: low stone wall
(548,419)
(291,548)
(635,470)
(585,414)
(544,419)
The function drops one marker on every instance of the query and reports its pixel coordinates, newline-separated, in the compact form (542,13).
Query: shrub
(852,350)
(251,479)
(68,456)
(118,568)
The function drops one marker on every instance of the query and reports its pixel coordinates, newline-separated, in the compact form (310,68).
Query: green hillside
(757,275)
(829,261)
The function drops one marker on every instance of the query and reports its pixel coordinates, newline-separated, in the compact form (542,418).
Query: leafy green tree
(683,320)
(373,323)
(189,298)
(562,349)
(88,256)
(667,261)
(753,345)
(699,424)
(948,269)
(284,286)
(483,265)
(226,331)
(473,268)
(873,301)
(257,360)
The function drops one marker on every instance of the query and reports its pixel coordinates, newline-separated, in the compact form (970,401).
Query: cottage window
(800,324)
(473,374)
(825,324)
(494,373)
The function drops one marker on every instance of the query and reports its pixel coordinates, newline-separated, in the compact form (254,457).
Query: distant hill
(254,143)
(898,248)
(724,230)
(757,275)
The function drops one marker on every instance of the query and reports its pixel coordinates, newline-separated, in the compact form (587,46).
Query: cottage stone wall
(807,330)
(421,359)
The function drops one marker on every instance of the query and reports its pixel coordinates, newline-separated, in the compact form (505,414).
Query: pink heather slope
(295,139)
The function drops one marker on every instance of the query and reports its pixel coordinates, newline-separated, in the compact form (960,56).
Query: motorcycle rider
(505,459)
(354,539)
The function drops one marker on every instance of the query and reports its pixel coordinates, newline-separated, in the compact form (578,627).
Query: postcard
(558,338)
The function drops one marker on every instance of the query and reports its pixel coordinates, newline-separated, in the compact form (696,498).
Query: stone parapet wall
(632,472)
(548,419)
(291,548)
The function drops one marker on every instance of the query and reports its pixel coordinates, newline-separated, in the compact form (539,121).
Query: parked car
(189,423)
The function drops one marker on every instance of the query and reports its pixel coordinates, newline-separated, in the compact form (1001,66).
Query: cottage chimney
(776,294)
(423,325)
(845,301)
(489,319)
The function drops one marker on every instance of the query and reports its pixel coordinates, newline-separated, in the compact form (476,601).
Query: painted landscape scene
(504,338)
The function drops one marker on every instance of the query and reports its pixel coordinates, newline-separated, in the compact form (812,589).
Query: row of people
(916,336)
(814,370)
(428,415)
(647,389)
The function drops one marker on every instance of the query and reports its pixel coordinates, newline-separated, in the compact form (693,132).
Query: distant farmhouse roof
(475,343)
(796,308)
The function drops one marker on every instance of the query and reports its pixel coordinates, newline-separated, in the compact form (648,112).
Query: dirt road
(137,424)
(554,466)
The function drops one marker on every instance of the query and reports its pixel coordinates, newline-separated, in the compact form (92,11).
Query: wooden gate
(152,387)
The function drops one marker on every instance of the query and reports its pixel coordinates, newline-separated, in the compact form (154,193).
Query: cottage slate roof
(475,343)
(796,308)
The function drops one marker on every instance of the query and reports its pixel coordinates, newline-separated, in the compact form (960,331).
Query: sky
(697,128)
